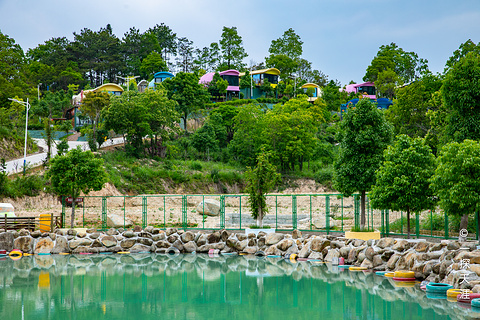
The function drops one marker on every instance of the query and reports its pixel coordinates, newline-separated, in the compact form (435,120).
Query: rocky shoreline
(435,262)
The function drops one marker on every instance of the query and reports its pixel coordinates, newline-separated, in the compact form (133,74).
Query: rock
(337,244)
(145,235)
(250,250)
(224,234)
(112,232)
(214,237)
(422,246)
(109,241)
(369,253)
(241,236)
(116,221)
(36,234)
(377,261)
(367,264)
(170,231)
(251,235)
(436,247)
(172,238)
(91,230)
(321,222)
(453,245)
(232,243)
(149,242)
(400,245)
(149,229)
(25,244)
(44,245)
(52,236)
(137,229)
(393,261)
(273,250)
(160,236)
(61,245)
(140,248)
(475,268)
(304,252)
(178,244)
(94,235)
(187,237)
(332,254)
(315,255)
(386,255)
(6,241)
(163,244)
(81,235)
(129,234)
(273,238)
(209,207)
(358,242)
(190,247)
(127,243)
(361,257)
(296,234)
(80,242)
(428,267)
(284,244)
(23,233)
(241,245)
(201,240)
(96,244)
(261,242)
(344,251)
(443,267)
(319,244)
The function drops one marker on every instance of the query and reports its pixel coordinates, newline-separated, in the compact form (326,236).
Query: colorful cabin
(366,88)
(159,77)
(142,86)
(72,113)
(231,76)
(258,77)
(313,89)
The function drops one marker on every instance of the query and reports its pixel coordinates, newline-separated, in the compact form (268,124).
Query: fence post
(327,214)
(387,222)
(382,223)
(144,212)
(446,226)
(63,211)
(184,212)
(476,225)
(356,212)
(417,224)
(51,222)
(104,212)
(294,212)
(222,212)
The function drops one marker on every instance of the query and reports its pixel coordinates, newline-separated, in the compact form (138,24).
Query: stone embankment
(448,261)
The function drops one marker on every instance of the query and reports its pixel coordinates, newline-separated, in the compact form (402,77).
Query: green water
(145,286)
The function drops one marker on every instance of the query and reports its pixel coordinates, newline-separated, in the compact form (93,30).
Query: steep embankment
(12,147)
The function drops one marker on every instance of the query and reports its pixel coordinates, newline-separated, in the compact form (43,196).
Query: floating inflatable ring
(438,287)
(172,251)
(389,274)
(357,268)
(476,302)
(123,252)
(453,293)
(380,273)
(260,254)
(15,253)
(404,279)
(404,274)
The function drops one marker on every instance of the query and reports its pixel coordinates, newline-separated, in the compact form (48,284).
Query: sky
(340,37)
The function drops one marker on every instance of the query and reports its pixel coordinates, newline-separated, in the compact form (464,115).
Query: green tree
(386,84)
(53,104)
(408,114)
(403,179)
(187,92)
(76,171)
(363,134)
(233,52)
(457,179)
(151,64)
(286,65)
(461,96)
(93,106)
(407,65)
(289,44)
(185,55)
(462,51)
(260,180)
(205,140)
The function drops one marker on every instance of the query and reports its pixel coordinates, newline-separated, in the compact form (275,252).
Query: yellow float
(389,274)
(453,293)
(404,274)
(123,252)
(357,268)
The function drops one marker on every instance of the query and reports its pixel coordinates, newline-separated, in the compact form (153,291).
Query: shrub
(196,166)
(396,226)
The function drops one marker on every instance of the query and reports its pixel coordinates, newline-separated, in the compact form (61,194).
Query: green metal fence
(329,213)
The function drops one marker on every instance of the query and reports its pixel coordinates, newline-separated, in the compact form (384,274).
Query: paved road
(35,160)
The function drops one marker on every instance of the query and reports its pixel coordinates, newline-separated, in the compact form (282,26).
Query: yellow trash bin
(45,222)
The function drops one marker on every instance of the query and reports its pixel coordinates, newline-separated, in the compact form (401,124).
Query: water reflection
(192,286)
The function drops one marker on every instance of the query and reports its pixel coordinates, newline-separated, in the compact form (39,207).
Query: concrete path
(37,159)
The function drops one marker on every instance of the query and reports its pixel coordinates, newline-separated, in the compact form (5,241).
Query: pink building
(231,76)
(366,88)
